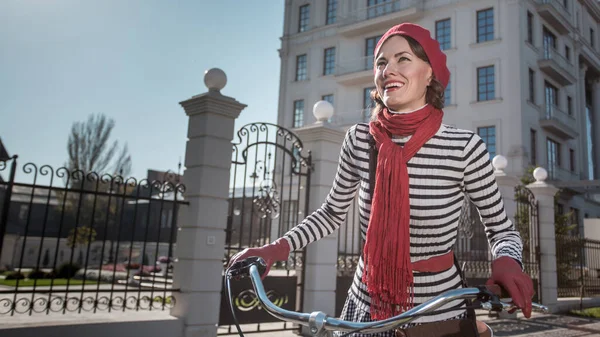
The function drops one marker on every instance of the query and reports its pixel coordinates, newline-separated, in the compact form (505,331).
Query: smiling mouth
(393,86)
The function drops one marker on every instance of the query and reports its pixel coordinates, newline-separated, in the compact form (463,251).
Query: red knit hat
(437,58)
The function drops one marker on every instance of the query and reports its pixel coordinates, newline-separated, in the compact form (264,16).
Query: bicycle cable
(235,320)
(436,312)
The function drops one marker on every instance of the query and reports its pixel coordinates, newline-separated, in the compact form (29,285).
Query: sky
(134,61)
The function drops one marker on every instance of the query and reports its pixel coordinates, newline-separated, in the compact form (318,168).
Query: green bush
(15,276)
(36,275)
(67,270)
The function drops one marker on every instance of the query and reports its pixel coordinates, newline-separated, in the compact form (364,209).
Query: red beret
(436,56)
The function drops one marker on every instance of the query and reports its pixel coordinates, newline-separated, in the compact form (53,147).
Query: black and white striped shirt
(452,164)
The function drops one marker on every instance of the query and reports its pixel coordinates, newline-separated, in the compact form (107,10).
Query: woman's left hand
(507,273)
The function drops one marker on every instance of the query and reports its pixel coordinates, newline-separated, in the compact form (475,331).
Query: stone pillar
(596,127)
(581,117)
(324,141)
(201,237)
(544,195)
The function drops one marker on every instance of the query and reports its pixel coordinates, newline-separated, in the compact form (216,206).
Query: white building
(537,63)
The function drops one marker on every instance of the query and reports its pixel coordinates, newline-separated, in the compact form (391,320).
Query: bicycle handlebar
(319,322)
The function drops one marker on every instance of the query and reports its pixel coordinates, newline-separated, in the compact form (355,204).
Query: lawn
(44,282)
(590,312)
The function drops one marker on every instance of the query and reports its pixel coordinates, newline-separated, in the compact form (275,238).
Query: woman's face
(401,78)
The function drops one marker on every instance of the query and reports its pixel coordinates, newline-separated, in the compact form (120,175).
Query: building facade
(525,75)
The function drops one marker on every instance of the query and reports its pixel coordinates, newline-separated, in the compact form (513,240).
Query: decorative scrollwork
(247,300)
(267,202)
(43,303)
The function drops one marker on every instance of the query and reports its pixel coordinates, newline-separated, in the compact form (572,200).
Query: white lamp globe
(499,162)
(215,79)
(323,111)
(540,174)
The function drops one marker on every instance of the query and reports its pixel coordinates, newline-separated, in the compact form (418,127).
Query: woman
(421,173)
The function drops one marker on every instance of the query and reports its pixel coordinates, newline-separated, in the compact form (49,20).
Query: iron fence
(84,242)
(577,266)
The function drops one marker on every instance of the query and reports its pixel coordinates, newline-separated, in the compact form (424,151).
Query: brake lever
(241,269)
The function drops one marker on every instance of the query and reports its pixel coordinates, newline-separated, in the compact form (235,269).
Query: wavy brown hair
(435,90)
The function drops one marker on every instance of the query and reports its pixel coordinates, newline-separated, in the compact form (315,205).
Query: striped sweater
(452,165)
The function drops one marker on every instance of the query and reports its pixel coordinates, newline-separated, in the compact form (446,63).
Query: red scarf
(388,275)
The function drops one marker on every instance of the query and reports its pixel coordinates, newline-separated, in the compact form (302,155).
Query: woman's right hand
(279,250)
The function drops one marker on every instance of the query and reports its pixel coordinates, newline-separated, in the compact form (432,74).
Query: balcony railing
(556,65)
(354,65)
(377,11)
(561,174)
(351,118)
(552,112)
(556,14)
(558,5)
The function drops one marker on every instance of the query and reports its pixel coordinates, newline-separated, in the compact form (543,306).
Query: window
(442,33)
(301,67)
(329,61)
(298,113)
(569,105)
(572,160)
(448,94)
(553,157)
(370,44)
(488,134)
(23,210)
(368,103)
(485,83)
(592,37)
(529,27)
(531,86)
(549,43)
(328,98)
(566,5)
(377,8)
(485,25)
(533,145)
(551,99)
(568,53)
(303,19)
(331,12)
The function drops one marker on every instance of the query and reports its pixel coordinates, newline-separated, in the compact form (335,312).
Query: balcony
(560,174)
(349,118)
(558,122)
(588,53)
(556,66)
(380,17)
(555,14)
(355,71)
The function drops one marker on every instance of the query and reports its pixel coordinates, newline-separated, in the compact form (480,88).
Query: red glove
(271,253)
(507,273)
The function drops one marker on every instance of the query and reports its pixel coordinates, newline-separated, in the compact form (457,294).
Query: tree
(90,149)
(92,154)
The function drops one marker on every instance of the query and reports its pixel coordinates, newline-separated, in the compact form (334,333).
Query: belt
(434,264)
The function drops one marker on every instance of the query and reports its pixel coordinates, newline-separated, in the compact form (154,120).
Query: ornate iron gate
(527,223)
(269,194)
(472,248)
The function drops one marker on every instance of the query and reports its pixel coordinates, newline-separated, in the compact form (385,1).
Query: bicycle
(322,325)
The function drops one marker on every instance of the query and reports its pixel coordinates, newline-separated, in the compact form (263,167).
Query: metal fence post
(6,205)
(201,237)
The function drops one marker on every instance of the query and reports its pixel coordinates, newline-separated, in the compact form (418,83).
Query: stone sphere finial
(215,79)
(499,162)
(323,111)
(540,174)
